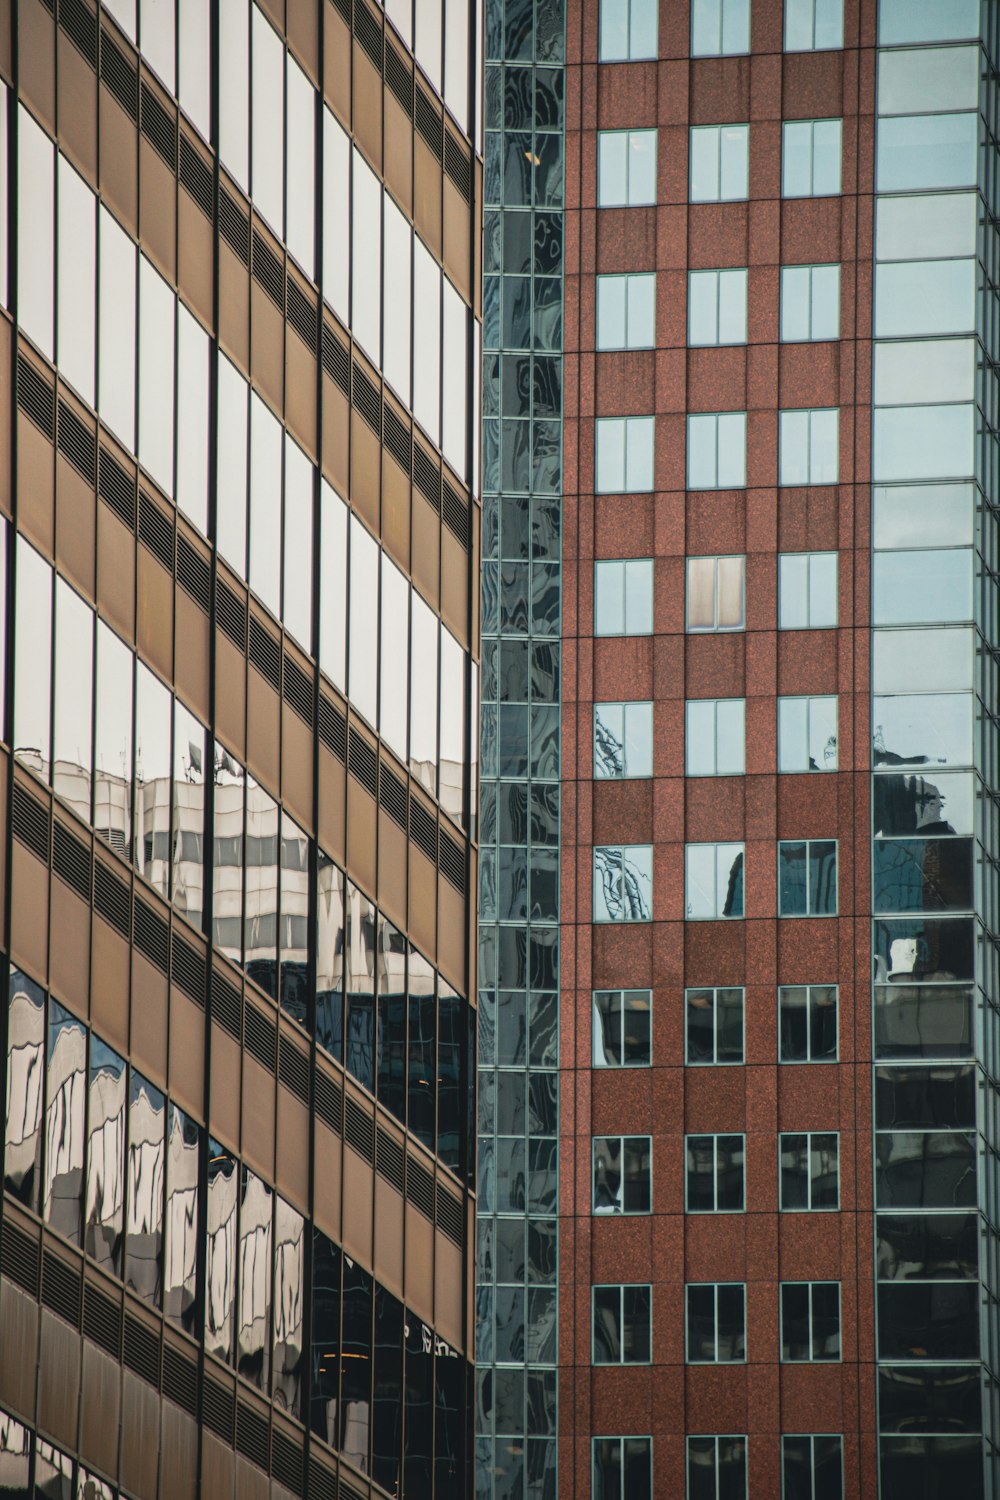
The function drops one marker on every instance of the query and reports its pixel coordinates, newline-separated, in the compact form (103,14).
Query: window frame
(718,912)
(621,1287)
(809,914)
(717,342)
(721,7)
(715,1137)
(812,562)
(809,1060)
(691,739)
(652,9)
(646,1062)
(689,1287)
(809,699)
(621,1439)
(623,851)
(786,442)
(718,196)
(623,1212)
(698,422)
(810,1207)
(714,1061)
(788,125)
(810,269)
(810,6)
(810,1438)
(628,201)
(625,564)
(811,1359)
(601,343)
(715,628)
(626,775)
(716,1439)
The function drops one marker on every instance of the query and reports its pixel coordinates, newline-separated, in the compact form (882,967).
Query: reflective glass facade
(240,547)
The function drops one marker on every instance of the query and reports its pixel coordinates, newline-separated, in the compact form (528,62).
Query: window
(719,163)
(717,307)
(628,29)
(807,734)
(623,597)
(720,28)
(810,1171)
(809,446)
(622,1028)
(716,1323)
(715,593)
(807,590)
(622,1467)
(713,881)
(713,1026)
(810,303)
(810,1320)
(714,1177)
(812,1466)
(807,878)
(807,1023)
(36,228)
(810,158)
(626,168)
(715,737)
(716,1468)
(623,883)
(623,740)
(622,1325)
(626,311)
(813,26)
(717,451)
(623,1174)
(267,111)
(624,454)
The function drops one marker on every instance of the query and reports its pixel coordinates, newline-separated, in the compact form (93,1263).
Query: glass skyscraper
(240,277)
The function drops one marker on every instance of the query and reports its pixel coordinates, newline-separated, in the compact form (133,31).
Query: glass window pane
(927,80)
(641,294)
(925,297)
(267,118)
(396,633)
(192,418)
(74,666)
(228,857)
(180,1272)
(298,552)
(234,90)
(426,341)
(609,598)
(265,504)
(104,1207)
(188,814)
(611,312)
(927,151)
(24,1091)
(427,40)
(77,281)
(451,785)
(156,376)
(612,168)
(638,586)
(32,660)
(454,330)
(336,217)
(363,674)
(116,347)
(638,739)
(366,257)
(423,692)
(253,1324)
(113,742)
(156,37)
(732,441)
(144,1202)
(641,166)
(65,1103)
(300,167)
(730,584)
(260,914)
(924,442)
(220,1260)
(35,232)
(456,60)
(195,66)
(333,588)
(943,225)
(231,468)
(397,299)
(152,779)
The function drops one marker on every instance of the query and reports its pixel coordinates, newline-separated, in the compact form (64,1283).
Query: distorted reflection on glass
(941,1096)
(908,950)
(227,860)
(716,1323)
(53,1472)
(144,1212)
(180,1256)
(930,1320)
(923,729)
(113,742)
(387,1401)
(925,1169)
(450,1375)
(220,1256)
(324,1387)
(294,941)
(623,883)
(622,1028)
(360,934)
(15,1457)
(260,923)
(89,1487)
(807,1023)
(104,1206)
(622,1174)
(189,814)
(713,1025)
(254,1321)
(807,734)
(934,874)
(421,1048)
(391,1065)
(32,660)
(807,878)
(289,1306)
(809,1171)
(330,957)
(25,1087)
(713,881)
(152,779)
(418,1424)
(916,1020)
(810,1320)
(356,1364)
(65,1104)
(916,1247)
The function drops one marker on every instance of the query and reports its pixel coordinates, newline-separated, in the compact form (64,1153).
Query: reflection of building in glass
(240,544)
